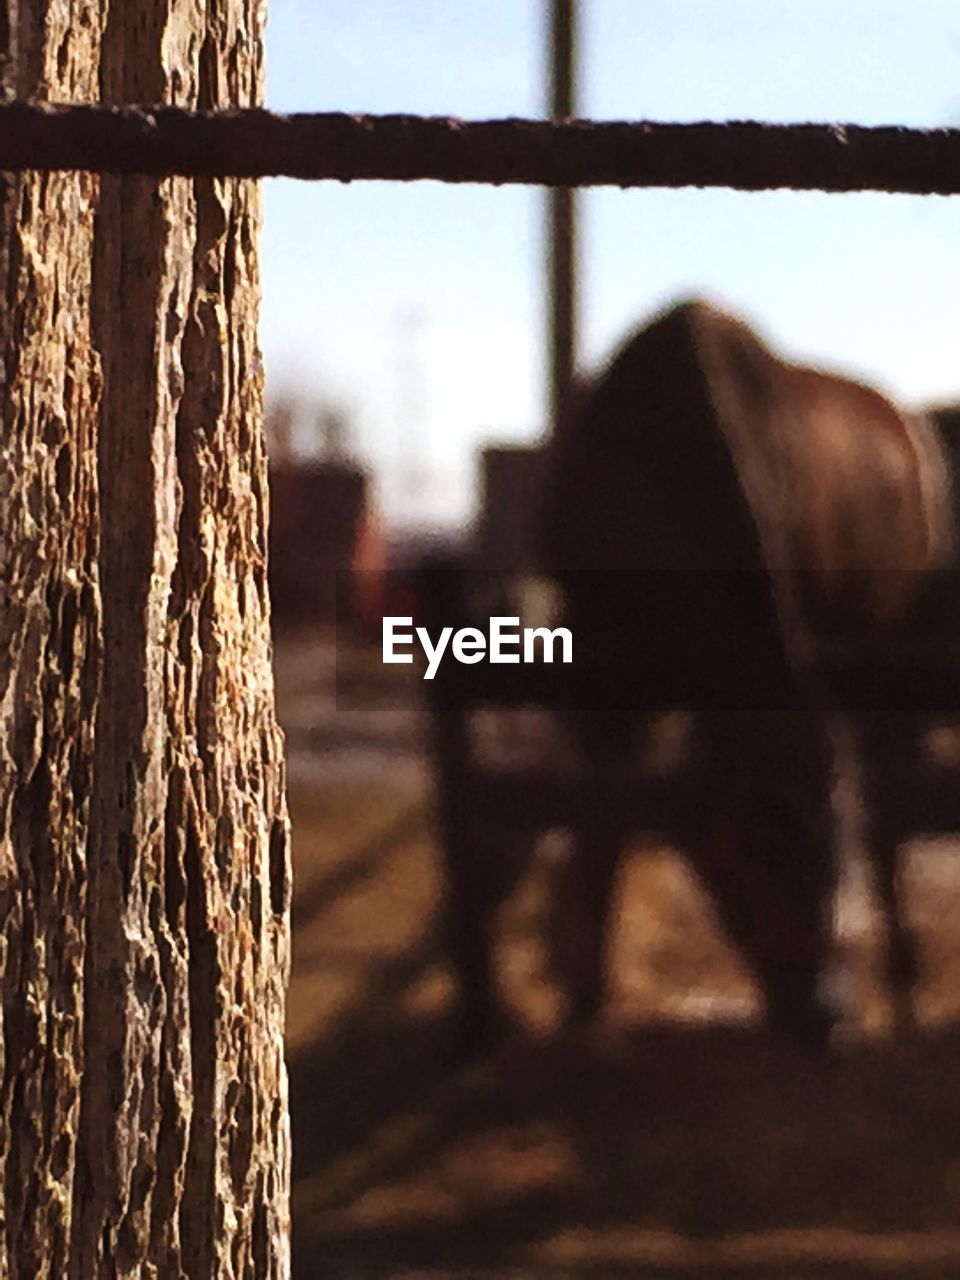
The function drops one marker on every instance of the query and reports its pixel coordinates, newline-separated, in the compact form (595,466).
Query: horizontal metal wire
(746,155)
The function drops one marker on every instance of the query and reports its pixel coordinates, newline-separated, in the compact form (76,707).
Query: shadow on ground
(667,1143)
(662,1149)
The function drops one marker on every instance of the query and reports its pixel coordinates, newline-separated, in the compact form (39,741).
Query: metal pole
(562,251)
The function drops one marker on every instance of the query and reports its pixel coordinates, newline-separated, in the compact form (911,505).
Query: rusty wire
(746,155)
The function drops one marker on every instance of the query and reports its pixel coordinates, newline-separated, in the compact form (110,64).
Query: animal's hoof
(807,1015)
(475,1037)
(583,1011)
(904,1014)
(903,971)
(811,1026)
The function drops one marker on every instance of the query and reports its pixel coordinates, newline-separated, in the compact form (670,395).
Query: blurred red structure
(322,526)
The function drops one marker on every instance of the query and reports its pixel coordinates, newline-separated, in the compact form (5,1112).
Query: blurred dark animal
(744,537)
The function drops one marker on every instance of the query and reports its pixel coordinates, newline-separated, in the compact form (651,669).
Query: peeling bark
(145,875)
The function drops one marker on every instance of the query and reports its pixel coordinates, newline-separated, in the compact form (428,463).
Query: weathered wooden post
(144,853)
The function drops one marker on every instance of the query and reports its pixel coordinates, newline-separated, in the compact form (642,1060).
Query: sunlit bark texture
(144,888)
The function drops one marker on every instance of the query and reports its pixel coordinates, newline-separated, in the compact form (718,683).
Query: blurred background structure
(410,381)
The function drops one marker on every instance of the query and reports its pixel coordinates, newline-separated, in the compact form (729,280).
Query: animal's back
(697,449)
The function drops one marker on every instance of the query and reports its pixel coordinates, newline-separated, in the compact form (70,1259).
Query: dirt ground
(677,1139)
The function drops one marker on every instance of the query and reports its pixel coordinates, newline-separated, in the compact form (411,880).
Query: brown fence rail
(745,155)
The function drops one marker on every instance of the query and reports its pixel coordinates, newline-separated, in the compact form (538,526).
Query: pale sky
(420,307)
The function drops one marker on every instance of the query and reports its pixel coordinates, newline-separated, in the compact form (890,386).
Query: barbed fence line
(253,142)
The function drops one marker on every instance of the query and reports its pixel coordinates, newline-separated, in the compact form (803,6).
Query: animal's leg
(581,923)
(470,917)
(785,961)
(767,856)
(586,883)
(902,961)
(889,744)
(469,885)
(471,889)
